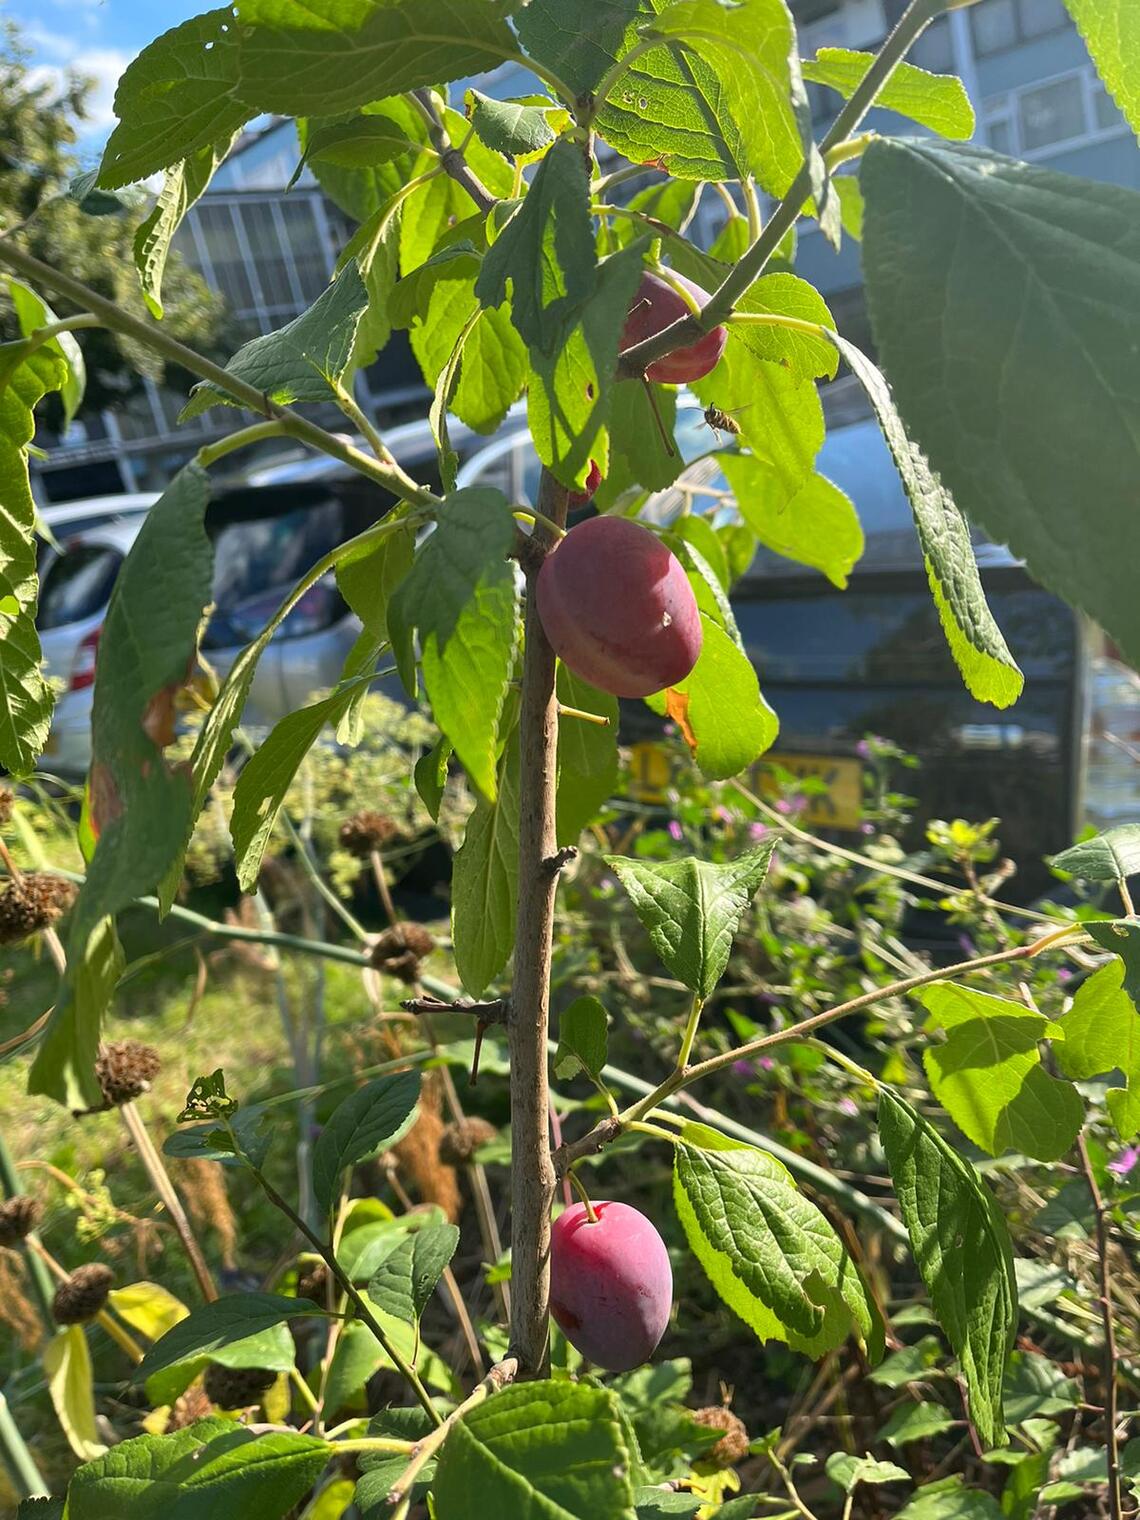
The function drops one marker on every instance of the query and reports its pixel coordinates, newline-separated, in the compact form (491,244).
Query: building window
(934,50)
(306,244)
(1000,24)
(1058,112)
(227,262)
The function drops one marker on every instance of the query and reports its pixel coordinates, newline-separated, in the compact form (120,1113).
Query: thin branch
(500,1375)
(1110,1384)
(453,161)
(153,338)
(689,329)
(164,1187)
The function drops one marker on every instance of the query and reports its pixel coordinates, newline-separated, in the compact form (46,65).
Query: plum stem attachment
(532,515)
(580,1189)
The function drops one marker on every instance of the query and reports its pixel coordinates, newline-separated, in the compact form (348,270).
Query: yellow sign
(840,806)
(650,770)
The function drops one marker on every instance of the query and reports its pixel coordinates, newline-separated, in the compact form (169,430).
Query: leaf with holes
(183,184)
(462,596)
(179,96)
(769,1252)
(1005,302)
(989,1077)
(303,361)
(406,1278)
(691,909)
(962,1250)
(369,1120)
(937,101)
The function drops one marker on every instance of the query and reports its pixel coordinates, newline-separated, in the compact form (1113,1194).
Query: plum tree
(611,1285)
(618,609)
(657,305)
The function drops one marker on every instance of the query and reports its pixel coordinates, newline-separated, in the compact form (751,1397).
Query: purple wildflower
(1123,1164)
(757,831)
(675,829)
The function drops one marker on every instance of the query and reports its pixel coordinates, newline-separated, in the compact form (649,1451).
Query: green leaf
(691,909)
(1111,29)
(819,527)
(571,390)
(1111,856)
(769,1252)
(70,1380)
(1035,1386)
(365,193)
(638,453)
(988,669)
(937,101)
(33,312)
(806,356)
(699,534)
(1122,937)
(429,214)
(345,53)
(509,126)
(545,254)
(359,143)
(183,184)
(26,713)
(587,756)
(304,360)
(404,1281)
(1037,276)
(180,95)
(850,193)
(64,1067)
(780,418)
(212,1468)
(849,1471)
(544,1449)
(367,583)
(240,1330)
(369,1120)
(1102,1034)
(139,806)
(484,885)
(462,596)
(40,1509)
(719,708)
(910,1364)
(950,1501)
(430,775)
(988,1074)
(915,1422)
(583,1039)
(962,1250)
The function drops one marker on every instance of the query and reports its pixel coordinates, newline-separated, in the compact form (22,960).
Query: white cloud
(102,65)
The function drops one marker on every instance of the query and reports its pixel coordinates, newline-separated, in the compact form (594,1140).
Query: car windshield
(77,585)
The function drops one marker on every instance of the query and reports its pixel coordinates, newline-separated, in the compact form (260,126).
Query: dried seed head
(83,1294)
(31,904)
(189,1409)
(399,950)
(237,1387)
(6,801)
(314,1284)
(461,1140)
(733,1444)
(367,831)
(18,1218)
(126,1070)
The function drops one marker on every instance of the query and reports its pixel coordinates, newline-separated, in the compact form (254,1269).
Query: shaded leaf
(583,1039)
(849,1471)
(369,1120)
(509,126)
(587,755)
(484,886)
(962,1250)
(239,1330)
(406,1278)
(304,360)
(461,594)
(183,184)
(1031,405)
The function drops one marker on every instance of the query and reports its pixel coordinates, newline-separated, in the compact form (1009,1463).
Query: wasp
(721,421)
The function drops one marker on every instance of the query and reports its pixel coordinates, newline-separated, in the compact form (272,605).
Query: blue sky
(95,37)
